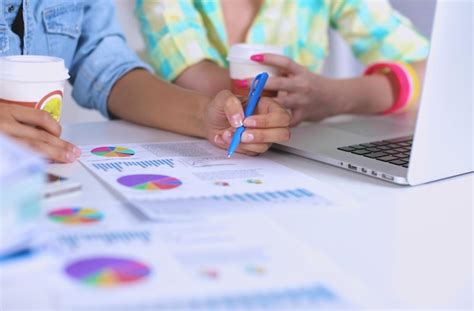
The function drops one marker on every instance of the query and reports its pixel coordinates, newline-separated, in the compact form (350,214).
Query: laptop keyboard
(393,151)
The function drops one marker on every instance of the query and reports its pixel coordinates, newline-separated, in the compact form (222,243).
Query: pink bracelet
(404,83)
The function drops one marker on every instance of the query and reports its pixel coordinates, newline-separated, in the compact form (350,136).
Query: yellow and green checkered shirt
(181,33)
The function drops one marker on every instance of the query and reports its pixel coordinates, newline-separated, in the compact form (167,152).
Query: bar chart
(119,166)
(270,196)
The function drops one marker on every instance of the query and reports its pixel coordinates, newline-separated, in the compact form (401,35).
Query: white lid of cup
(32,68)
(243,51)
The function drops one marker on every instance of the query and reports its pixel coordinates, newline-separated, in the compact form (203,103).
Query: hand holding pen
(254,96)
(268,124)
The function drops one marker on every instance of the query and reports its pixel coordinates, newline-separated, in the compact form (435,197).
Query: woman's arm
(368,94)
(314,97)
(143,98)
(205,77)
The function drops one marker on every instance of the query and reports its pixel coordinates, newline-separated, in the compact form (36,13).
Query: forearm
(205,77)
(368,94)
(142,98)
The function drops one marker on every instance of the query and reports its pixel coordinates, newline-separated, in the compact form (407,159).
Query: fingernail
(227,136)
(250,122)
(77,151)
(247,137)
(242,84)
(257,58)
(218,140)
(237,120)
(70,157)
(237,101)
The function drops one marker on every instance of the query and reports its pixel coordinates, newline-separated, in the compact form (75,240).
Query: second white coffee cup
(241,67)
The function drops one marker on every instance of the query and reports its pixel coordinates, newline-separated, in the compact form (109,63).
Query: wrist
(202,126)
(365,95)
(339,94)
(380,93)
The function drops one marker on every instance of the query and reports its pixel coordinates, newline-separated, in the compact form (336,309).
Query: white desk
(413,245)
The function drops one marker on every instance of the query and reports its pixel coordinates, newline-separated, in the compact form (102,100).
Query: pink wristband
(404,85)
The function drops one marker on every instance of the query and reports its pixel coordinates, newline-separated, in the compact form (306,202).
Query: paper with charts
(197,170)
(210,265)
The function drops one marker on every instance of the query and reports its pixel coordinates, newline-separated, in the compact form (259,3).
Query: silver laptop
(407,148)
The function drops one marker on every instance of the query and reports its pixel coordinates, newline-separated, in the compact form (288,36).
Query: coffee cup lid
(32,68)
(243,51)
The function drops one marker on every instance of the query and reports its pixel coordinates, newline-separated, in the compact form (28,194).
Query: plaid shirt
(181,33)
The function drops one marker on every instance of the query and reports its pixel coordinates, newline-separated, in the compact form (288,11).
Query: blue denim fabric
(85,33)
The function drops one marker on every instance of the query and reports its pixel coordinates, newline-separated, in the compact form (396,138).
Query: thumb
(232,108)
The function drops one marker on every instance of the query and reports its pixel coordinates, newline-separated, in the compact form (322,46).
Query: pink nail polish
(76,151)
(70,157)
(247,137)
(250,122)
(243,84)
(218,140)
(237,120)
(257,58)
(227,136)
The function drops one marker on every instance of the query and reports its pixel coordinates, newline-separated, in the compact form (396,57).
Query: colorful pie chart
(149,182)
(76,215)
(107,271)
(113,152)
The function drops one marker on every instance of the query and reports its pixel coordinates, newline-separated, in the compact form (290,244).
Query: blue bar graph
(311,297)
(120,165)
(269,196)
(106,238)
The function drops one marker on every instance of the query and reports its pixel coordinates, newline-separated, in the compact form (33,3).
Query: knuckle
(279,83)
(4,127)
(263,147)
(284,118)
(262,122)
(54,153)
(303,86)
(43,136)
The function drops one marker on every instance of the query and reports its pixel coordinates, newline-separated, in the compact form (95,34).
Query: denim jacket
(85,33)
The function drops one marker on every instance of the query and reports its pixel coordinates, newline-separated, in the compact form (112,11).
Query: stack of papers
(208,241)
(163,180)
(208,265)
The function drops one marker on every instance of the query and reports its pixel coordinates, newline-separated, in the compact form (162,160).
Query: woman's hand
(306,94)
(269,124)
(37,129)
(313,97)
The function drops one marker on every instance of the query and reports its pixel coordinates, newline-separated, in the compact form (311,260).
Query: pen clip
(254,85)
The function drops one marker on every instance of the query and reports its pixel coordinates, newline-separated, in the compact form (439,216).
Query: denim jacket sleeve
(102,56)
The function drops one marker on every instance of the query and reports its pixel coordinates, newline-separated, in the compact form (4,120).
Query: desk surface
(413,245)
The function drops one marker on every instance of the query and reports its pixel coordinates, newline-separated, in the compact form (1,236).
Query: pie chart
(107,271)
(113,152)
(76,215)
(149,182)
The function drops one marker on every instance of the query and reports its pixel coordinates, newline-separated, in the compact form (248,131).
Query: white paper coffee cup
(241,67)
(33,81)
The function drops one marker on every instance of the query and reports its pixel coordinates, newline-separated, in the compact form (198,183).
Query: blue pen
(254,96)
